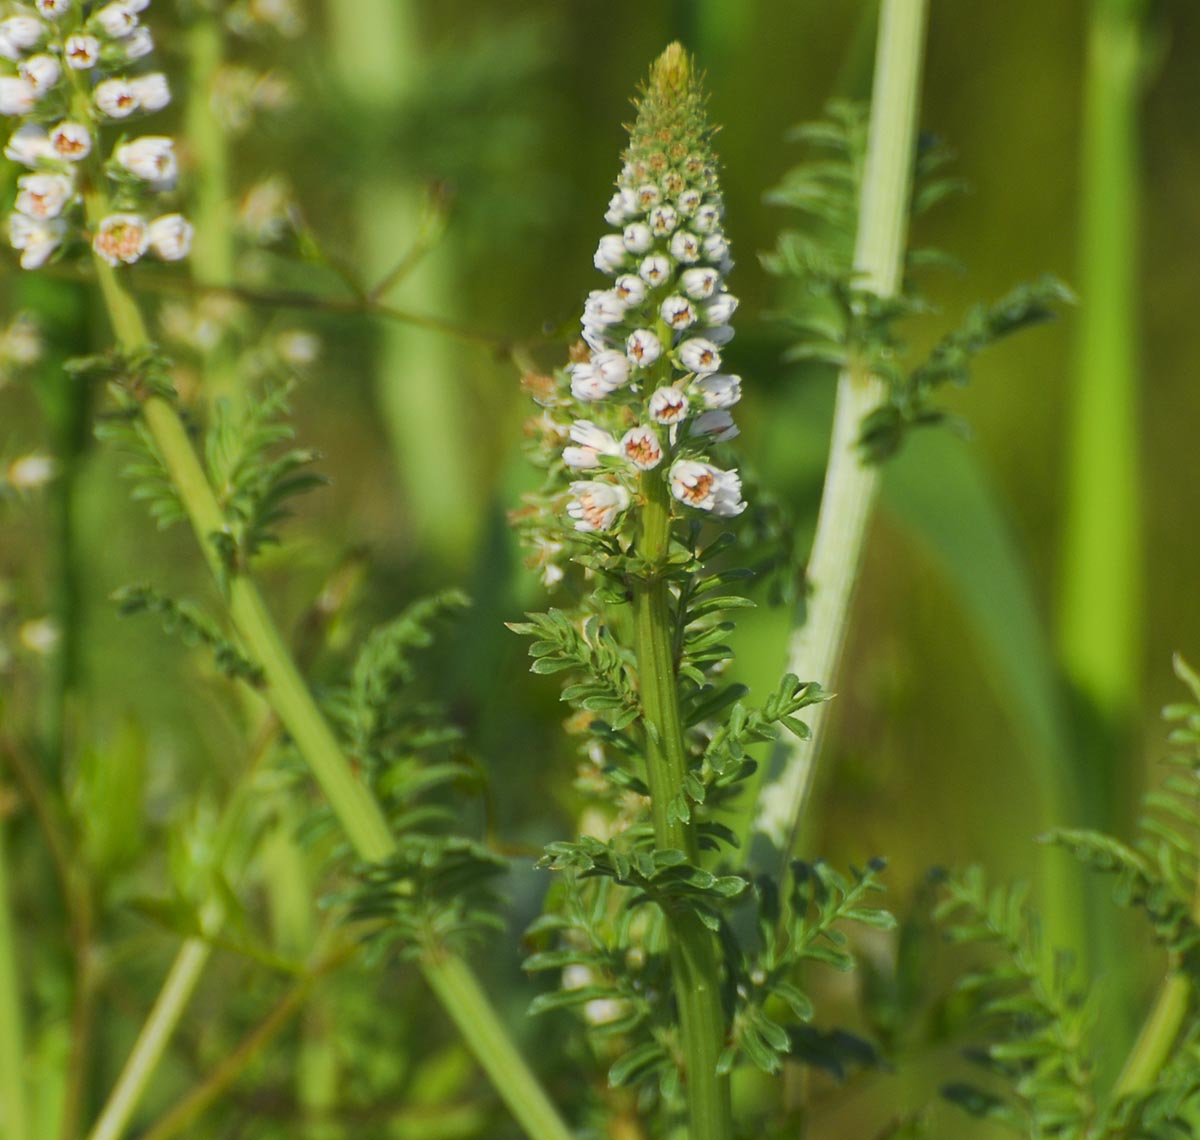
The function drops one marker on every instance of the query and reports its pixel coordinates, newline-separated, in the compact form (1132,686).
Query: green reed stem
(694,966)
(14,1116)
(1100,591)
(852,485)
(357,810)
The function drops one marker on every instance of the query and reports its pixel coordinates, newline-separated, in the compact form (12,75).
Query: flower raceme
(647,394)
(72,69)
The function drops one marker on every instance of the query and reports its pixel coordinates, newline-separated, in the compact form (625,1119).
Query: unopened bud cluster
(68,70)
(649,393)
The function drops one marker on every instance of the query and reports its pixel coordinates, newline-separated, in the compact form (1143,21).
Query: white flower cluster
(655,339)
(72,72)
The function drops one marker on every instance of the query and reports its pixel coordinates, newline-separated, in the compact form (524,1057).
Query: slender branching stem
(234,1064)
(694,965)
(14,1113)
(356,809)
(851,483)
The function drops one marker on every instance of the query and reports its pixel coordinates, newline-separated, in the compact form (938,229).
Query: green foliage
(1039,1014)
(1041,1020)
(252,476)
(130,378)
(841,324)
(1160,872)
(798,924)
(437,889)
(587,648)
(188,622)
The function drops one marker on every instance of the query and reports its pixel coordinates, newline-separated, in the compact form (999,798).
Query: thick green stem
(851,485)
(1157,1037)
(358,812)
(1100,620)
(695,970)
(14,1117)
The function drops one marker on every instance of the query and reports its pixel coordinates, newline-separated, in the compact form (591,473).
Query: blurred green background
(956,737)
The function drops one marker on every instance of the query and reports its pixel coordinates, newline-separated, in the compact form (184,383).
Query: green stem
(1157,1037)
(461,996)
(357,810)
(152,1041)
(1161,1028)
(851,486)
(1100,592)
(695,969)
(234,1064)
(14,1117)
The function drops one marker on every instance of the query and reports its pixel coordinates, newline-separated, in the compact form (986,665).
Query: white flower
(720,309)
(643,347)
(595,506)
(654,270)
(591,443)
(672,182)
(52,9)
(30,472)
(17,95)
(663,220)
(685,247)
(42,72)
(9,50)
(71,141)
(699,355)
(116,19)
(717,424)
(21,343)
(603,307)
(637,237)
(596,337)
(136,5)
(719,391)
(170,237)
(150,158)
(43,195)
(641,447)
(707,488)
(23,31)
(138,43)
(689,201)
(116,98)
(35,238)
(40,636)
(668,406)
(716,250)
(151,91)
(611,367)
(647,196)
(28,145)
(81,52)
(121,238)
(621,207)
(610,254)
(586,386)
(296,347)
(707,219)
(700,284)
(630,290)
(678,312)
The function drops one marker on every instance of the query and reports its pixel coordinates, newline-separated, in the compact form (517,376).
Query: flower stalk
(695,969)
(851,481)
